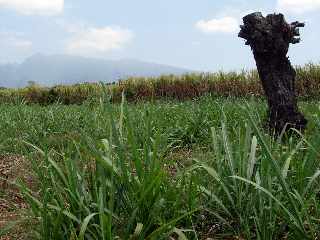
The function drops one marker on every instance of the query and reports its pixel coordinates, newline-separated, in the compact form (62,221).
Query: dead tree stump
(269,38)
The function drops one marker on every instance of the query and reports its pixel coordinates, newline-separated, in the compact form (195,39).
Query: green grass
(190,170)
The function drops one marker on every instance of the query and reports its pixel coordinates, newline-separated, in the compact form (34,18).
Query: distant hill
(63,69)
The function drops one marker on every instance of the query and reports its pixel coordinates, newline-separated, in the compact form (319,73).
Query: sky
(197,35)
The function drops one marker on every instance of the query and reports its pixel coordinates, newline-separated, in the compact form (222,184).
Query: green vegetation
(190,86)
(190,170)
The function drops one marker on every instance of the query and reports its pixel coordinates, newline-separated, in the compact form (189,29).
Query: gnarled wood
(269,38)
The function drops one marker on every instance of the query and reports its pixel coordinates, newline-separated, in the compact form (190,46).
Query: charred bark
(269,38)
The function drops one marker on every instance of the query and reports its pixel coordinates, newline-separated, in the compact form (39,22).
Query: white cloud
(97,41)
(219,25)
(38,7)
(15,41)
(21,43)
(14,46)
(298,6)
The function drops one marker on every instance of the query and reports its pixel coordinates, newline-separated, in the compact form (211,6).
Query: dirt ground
(12,206)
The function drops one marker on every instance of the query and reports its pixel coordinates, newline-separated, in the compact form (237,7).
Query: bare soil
(12,205)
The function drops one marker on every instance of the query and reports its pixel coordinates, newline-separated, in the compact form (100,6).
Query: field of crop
(198,169)
(189,86)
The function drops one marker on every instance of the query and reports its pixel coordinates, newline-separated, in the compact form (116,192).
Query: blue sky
(198,35)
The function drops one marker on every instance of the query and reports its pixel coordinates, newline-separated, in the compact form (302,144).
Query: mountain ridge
(50,70)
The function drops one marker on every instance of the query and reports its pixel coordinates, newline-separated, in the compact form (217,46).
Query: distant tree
(32,84)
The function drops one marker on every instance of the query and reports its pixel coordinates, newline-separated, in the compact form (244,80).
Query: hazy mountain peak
(51,70)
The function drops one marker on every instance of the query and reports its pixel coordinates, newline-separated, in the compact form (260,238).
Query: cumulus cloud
(298,6)
(218,25)
(38,7)
(98,41)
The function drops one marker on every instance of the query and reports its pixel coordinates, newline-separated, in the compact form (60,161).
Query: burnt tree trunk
(269,38)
